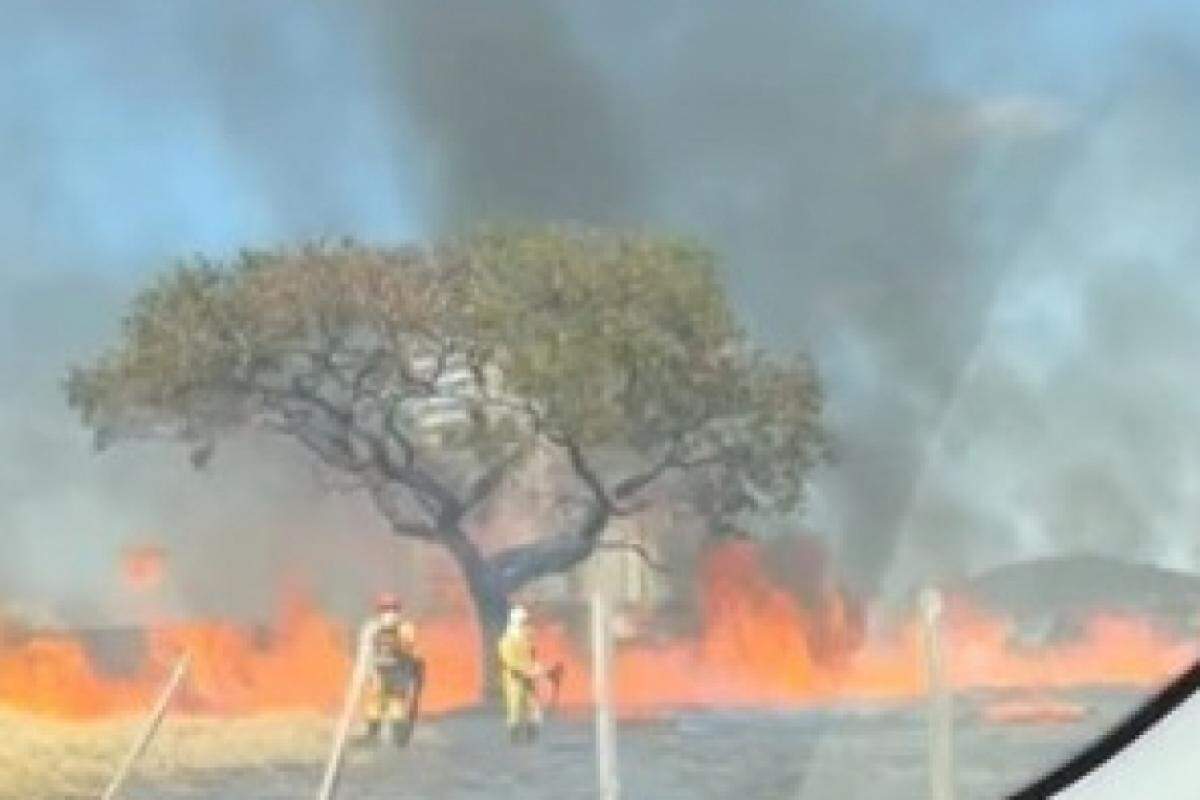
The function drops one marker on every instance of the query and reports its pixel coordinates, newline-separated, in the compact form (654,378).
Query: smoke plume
(864,212)
(979,219)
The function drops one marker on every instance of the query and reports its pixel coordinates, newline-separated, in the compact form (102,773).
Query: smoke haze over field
(980,221)
(133,135)
(911,232)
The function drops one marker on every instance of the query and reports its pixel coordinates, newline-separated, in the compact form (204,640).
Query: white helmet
(517,616)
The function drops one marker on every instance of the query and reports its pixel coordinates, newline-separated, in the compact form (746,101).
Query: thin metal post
(149,729)
(941,754)
(358,678)
(606,751)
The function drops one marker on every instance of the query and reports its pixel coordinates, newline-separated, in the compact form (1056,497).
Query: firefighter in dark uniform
(397,673)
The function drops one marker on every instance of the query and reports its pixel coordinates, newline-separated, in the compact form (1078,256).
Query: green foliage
(622,342)
(617,337)
(200,331)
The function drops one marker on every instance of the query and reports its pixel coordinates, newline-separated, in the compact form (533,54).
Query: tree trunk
(490,598)
(492,580)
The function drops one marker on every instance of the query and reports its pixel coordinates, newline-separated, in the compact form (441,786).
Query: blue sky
(140,132)
(1068,48)
(122,147)
(120,150)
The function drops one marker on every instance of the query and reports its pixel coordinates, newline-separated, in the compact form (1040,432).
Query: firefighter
(520,672)
(397,673)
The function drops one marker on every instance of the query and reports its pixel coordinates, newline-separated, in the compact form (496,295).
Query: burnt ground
(800,755)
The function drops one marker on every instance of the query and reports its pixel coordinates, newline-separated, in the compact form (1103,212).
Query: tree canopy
(428,373)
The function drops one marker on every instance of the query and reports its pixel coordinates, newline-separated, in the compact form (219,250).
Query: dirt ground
(799,755)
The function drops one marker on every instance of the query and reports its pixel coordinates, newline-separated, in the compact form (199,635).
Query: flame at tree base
(757,645)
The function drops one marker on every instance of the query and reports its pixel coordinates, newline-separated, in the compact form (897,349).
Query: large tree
(428,375)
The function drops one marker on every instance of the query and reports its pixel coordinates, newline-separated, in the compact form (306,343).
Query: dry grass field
(43,759)
(852,752)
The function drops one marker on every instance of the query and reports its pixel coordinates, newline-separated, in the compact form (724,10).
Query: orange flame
(52,675)
(755,644)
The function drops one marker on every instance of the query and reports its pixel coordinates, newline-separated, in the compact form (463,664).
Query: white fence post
(606,752)
(941,741)
(153,720)
(358,677)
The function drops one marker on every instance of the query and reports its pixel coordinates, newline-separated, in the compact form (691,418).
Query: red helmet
(386,601)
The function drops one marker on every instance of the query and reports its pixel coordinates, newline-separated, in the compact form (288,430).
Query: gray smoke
(1078,429)
(232,534)
(511,119)
(133,134)
(924,241)
(986,240)
(862,214)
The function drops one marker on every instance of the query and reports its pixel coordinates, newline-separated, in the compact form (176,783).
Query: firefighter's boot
(402,732)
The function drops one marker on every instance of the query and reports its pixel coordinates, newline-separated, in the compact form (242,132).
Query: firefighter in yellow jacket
(520,672)
(397,673)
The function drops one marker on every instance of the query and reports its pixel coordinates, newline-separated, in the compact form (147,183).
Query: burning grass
(251,700)
(43,759)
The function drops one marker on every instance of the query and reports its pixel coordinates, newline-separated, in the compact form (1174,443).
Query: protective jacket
(518,662)
(393,673)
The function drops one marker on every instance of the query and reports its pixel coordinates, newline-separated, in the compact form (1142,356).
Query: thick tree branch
(584,471)
(486,484)
(434,495)
(334,450)
(673,458)
(401,524)
(436,498)
(522,564)
(311,396)
(636,483)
